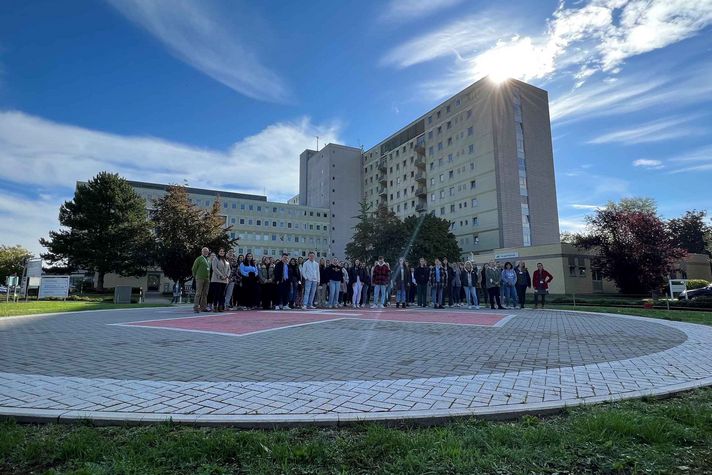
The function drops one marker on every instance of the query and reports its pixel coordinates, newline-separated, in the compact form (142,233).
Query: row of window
(281,224)
(280,237)
(278,252)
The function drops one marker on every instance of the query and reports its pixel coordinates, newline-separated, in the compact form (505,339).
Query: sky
(226,94)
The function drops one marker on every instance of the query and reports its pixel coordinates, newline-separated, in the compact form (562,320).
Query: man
(232,260)
(524,281)
(438,282)
(422,274)
(281,279)
(381,274)
(201,277)
(447,290)
(310,274)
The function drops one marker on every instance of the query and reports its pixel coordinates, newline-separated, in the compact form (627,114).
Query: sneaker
(278,307)
(477,307)
(380,306)
(373,306)
(304,307)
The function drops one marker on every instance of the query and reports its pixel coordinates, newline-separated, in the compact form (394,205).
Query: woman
(401,279)
(470,279)
(250,289)
(231,280)
(218,282)
(456,284)
(344,287)
(335,276)
(493,276)
(211,293)
(267,282)
(541,284)
(509,280)
(237,290)
(295,277)
(438,281)
(299,299)
(524,281)
(323,283)
(357,276)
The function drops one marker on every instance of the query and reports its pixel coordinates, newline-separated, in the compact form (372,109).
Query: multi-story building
(331,178)
(481,159)
(265,228)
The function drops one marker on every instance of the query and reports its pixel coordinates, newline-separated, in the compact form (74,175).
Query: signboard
(34,268)
(506,255)
(12,281)
(677,286)
(54,286)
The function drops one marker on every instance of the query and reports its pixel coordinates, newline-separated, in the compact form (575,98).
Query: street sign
(12,281)
(506,255)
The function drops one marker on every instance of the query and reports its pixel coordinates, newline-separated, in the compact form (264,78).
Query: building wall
(331,179)
(471,168)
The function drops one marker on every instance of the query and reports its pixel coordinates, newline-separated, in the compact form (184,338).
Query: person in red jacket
(540,281)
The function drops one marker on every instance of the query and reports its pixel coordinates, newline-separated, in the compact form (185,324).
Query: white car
(3,289)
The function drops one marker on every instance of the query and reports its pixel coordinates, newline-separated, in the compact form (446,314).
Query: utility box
(122,294)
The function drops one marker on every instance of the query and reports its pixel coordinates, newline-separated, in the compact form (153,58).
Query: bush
(699,302)
(696,284)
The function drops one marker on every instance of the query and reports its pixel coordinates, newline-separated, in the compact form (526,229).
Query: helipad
(272,368)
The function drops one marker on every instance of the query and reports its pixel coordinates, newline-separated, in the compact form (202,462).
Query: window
(442,211)
(451,174)
(430,135)
(469,113)
(430,119)
(442,178)
(447,109)
(448,125)
(473,184)
(470,131)
(474,202)
(475,239)
(475,221)
(452,208)
(440,145)
(242,221)
(471,149)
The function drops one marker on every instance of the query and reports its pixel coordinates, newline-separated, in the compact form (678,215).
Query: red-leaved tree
(634,247)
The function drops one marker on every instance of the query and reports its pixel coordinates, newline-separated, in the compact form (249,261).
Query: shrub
(696,284)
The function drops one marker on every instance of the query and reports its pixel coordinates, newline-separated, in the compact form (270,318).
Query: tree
(641,204)
(182,229)
(361,245)
(431,238)
(691,232)
(633,247)
(11,259)
(107,230)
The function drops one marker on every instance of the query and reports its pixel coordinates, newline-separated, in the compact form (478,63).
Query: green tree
(107,230)
(430,237)
(11,260)
(182,229)
(691,232)
(390,236)
(361,245)
(640,204)
(633,247)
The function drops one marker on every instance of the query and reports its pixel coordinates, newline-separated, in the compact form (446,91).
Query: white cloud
(42,155)
(584,206)
(405,10)
(202,38)
(572,224)
(598,36)
(655,131)
(648,163)
(696,160)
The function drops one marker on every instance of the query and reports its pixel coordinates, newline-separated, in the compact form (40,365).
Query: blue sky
(226,94)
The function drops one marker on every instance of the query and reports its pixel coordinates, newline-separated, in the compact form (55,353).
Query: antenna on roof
(317,143)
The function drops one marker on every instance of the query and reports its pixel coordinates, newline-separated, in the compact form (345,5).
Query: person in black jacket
(447,291)
(335,275)
(357,279)
(282,279)
(422,275)
(295,280)
(524,281)
(485,296)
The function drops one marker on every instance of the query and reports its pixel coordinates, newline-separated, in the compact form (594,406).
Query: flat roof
(200,191)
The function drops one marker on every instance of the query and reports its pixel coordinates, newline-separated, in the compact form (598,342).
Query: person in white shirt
(310,273)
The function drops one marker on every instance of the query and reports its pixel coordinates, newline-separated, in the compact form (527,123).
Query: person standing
(335,276)
(357,276)
(250,286)
(401,280)
(267,282)
(455,284)
(201,277)
(366,285)
(219,279)
(422,275)
(494,276)
(176,292)
(524,281)
(311,275)
(281,278)
(381,274)
(232,260)
(509,280)
(438,282)
(447,291)
(470,279)
(542,278)
(323,283)
(294,281)
(483,282)
(413,285)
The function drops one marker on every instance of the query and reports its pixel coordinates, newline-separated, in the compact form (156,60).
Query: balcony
(421,192)
(382,191)
(382,164)
(382,180)
(420,176)
(420,162)
(421,207)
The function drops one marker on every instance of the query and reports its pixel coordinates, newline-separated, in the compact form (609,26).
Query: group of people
(224,281)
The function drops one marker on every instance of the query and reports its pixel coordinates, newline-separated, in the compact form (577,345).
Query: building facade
(481,159)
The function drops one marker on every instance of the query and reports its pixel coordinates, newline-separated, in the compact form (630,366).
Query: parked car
(3,289)
(694,293)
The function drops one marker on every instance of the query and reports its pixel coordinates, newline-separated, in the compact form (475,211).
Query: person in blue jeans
(509,282)
(469,278)
(380,276)
(336,276)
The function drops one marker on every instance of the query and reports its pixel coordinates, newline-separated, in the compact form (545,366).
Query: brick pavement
(334,370)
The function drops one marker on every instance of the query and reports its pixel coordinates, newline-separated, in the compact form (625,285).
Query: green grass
(662,436)
(704,318)
(8,309)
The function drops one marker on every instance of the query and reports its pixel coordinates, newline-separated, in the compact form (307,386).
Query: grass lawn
(662,436)
(8,309)
(704,318)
